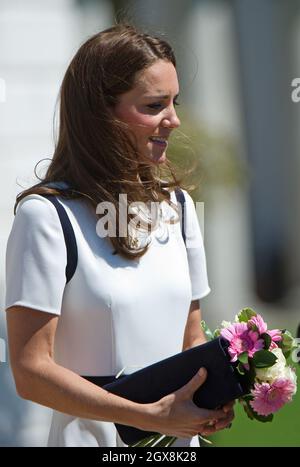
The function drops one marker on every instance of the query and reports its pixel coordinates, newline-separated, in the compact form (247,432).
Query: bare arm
(193,333)
(38,378)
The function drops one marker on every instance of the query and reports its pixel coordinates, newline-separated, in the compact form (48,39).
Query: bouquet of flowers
(260,358)
(260,355)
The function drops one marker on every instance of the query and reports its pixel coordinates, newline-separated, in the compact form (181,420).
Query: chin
(159,159)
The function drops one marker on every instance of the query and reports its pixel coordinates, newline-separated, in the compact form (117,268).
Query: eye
(158,106)
(154,106)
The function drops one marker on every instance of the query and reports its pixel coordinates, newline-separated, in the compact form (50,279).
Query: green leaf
(209,335)
(267,340)
(248,397)
(248,410)
(288,343)
(245,314)
(217,333)
(263,418)
(263,359)
(286,353)
(240,368)
(287,337)
(243,357)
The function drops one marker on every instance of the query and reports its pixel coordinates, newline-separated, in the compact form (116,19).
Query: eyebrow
(167,96)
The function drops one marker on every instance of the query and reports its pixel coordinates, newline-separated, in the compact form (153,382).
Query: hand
(210,428)
(177,415)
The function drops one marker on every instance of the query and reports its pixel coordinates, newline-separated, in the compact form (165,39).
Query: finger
(220,425)
(210,430)
(194,383)
(207,432)
(227,407)
(212,415)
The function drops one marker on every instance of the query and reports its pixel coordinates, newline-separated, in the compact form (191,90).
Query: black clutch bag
(223,383)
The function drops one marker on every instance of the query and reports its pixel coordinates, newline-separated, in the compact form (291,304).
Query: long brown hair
(94,153)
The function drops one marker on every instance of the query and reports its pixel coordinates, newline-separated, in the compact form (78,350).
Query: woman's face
(149,110)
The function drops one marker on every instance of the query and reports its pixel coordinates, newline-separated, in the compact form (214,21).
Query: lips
(158,140)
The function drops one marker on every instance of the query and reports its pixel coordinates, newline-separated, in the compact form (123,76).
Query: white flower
(290,374)
(276,371)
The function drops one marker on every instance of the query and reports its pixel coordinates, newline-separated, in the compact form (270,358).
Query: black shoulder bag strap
(70,240)
(181,199)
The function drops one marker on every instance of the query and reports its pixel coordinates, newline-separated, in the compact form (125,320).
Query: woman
(130,302)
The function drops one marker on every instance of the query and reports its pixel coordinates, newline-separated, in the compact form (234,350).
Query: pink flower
(241,340)
(268,398)
(276,336)
(256,323)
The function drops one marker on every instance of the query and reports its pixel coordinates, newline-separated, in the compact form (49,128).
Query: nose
(172,120)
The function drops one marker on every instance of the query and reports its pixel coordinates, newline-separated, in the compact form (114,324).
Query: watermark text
(146,219)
